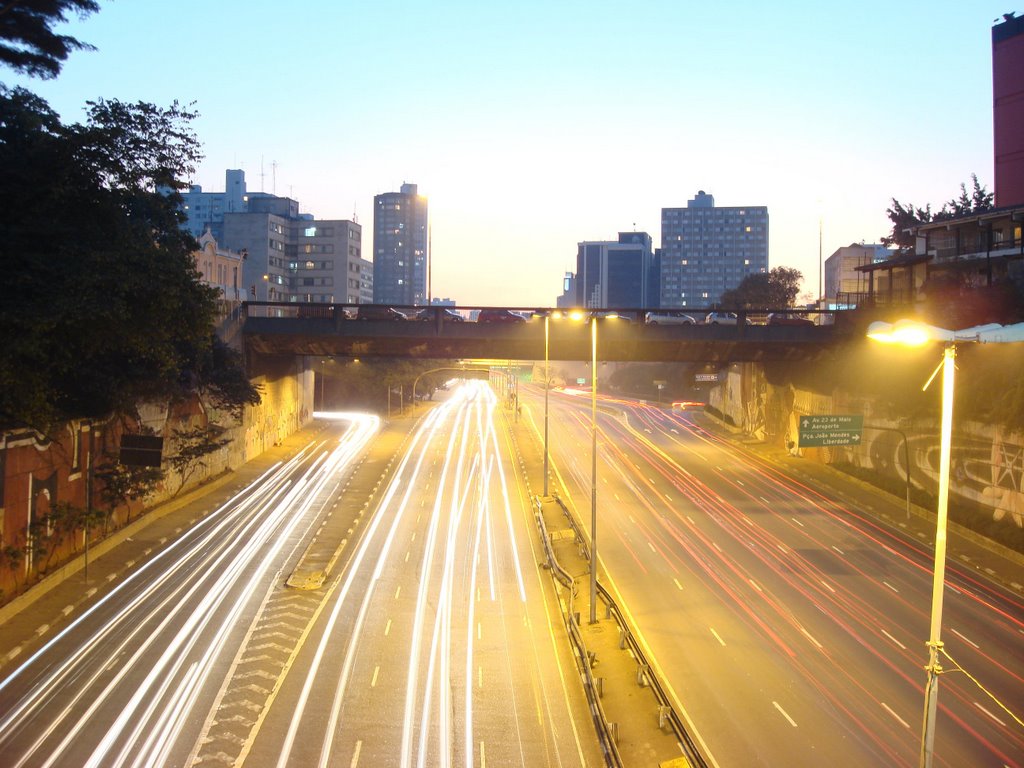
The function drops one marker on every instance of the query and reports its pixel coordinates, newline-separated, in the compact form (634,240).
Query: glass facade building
(400,245)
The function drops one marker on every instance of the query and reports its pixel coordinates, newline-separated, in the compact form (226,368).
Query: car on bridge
(499,316)
(668,318)
(721,318)
(447,315)
(378,312)
(788,318)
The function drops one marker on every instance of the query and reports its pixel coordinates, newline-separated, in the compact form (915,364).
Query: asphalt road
(435,645)
(789,627)
(128,679)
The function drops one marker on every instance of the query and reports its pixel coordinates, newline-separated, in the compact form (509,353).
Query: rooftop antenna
(355,218)
(262,174)
(273,178)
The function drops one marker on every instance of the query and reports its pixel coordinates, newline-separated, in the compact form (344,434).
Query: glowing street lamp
(911,333)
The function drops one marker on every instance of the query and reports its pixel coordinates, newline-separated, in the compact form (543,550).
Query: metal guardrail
(627,638)
(605,731)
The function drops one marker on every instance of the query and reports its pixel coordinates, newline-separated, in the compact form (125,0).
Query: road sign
(818,431)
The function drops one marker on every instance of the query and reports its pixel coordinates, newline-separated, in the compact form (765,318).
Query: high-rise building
(400,247)
(1008,109)
(205,210)
(615,273)
(706,251)
(294,257)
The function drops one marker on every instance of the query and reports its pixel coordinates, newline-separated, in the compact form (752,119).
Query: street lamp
(911,333)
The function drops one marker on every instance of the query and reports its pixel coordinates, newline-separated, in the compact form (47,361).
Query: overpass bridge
(276,329)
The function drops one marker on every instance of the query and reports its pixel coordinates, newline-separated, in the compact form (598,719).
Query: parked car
(668,318)
(721,318)
(788,318)
(499,316)
(379,312)
(447,315)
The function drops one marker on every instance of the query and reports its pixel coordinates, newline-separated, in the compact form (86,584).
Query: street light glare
(906,332)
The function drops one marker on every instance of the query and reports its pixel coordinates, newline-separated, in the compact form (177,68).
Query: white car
(668,318)
(720,318)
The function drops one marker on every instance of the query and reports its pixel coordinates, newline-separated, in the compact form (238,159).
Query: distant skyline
(536,126)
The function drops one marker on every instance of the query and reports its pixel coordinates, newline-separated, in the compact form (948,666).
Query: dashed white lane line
(755,585)
(829,587)
(373,680)
(965,639)
(678,585)
(355,755)
(890,586)
(990,714)
(811,638)
(797,522)
(387,628)
(715,545)
(652,547)
(483,756)
(901,721)
(398,592)
(901,645)
(837,549)
(784,714)
(717,636)
(765,500)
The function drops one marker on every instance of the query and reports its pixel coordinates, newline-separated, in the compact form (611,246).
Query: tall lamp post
(547,387)
(593,469)
(910,333)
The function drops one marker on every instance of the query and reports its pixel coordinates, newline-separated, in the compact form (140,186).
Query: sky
(532,126)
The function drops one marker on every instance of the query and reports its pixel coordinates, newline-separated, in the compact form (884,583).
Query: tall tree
(28,43)
(776,289)
(103,305)
(905,218)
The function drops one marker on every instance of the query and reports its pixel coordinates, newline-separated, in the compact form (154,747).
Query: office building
(844,284)
(295,257)
(706,251)
(400,248)
(1008,110)
(615,274)
(205,210)
(220,268)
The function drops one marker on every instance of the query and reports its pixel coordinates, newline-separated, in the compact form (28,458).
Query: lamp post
(593,469)
(547,386)
(910,333)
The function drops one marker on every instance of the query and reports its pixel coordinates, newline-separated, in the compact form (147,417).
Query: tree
(103,305)
(120,484)
(776,289)
(27,41)
(905,218)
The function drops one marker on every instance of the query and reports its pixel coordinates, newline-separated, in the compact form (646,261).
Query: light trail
(171,619)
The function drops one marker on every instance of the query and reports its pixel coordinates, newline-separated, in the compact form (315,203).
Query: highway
(122,684)
(789,628)
(436,645)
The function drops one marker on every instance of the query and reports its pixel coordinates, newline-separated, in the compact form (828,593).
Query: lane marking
(715,545)
(398,592)
(965,639)
(387,628)
(652,547)
(901,645)
(373,680)
(678,585)
(888,709)
(717,636)
(829,587)
(990,714)
(765,500)
(754,585)
(483,757)
(890,586)
(811,638)
(797,522)
(355,755)
(785,714)
(837,549)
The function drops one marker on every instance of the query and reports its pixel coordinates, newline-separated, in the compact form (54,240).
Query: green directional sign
(819,431)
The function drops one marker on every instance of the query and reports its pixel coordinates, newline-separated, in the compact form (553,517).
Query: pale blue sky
(534,125)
